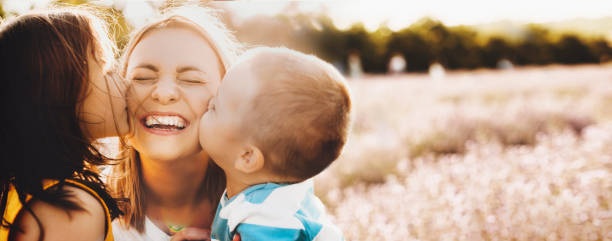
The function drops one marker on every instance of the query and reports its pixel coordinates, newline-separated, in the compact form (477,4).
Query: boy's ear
(251,160)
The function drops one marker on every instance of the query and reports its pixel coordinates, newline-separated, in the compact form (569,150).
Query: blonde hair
(126,178)
(202,19)
(300,118)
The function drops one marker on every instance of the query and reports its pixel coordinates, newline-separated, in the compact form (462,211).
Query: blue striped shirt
(274,211)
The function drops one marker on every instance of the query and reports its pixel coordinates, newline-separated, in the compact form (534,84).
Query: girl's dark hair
(44,78)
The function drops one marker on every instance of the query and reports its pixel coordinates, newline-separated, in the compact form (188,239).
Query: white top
(151,232)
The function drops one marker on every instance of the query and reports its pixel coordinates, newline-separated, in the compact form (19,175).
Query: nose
(165,92)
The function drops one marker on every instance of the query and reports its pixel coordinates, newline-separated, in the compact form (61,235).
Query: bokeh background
(474,120)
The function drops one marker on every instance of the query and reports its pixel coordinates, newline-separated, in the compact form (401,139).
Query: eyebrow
(148,66)
(188,68)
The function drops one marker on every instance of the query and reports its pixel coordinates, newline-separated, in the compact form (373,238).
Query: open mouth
(164,122)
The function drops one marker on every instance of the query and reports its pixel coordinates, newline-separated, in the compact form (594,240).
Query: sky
(395,13)
(401,13)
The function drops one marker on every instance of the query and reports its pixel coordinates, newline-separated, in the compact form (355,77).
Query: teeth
(165,120)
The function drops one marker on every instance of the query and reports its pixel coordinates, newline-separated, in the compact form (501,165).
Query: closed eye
(143,74)
(192,77)
(142,78)
(194,81)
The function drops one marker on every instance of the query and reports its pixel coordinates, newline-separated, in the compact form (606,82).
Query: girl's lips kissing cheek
(164,124)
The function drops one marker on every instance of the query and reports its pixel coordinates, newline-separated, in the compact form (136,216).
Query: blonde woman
(175,65)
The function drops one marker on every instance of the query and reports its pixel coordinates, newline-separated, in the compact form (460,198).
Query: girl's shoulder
(91,222)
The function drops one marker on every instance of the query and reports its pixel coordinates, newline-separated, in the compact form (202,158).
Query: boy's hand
(191,234)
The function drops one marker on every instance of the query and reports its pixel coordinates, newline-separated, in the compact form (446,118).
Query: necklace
(174,227)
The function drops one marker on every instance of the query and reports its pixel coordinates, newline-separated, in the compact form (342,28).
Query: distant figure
(397,64)
(354,64)
(436,71)
(505,64)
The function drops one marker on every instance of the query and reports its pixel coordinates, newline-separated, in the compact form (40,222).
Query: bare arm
(58,225)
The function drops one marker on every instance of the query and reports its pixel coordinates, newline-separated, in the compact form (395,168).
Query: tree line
(423,43)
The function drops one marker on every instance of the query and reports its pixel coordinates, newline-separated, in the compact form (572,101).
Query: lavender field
(523,154)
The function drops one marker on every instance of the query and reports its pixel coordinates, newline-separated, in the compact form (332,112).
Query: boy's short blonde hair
(300,117)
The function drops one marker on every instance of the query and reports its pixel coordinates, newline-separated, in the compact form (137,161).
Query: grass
(483,155)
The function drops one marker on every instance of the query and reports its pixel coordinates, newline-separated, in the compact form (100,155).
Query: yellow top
(14,206)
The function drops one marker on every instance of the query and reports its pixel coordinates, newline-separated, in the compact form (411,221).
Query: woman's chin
(167,150)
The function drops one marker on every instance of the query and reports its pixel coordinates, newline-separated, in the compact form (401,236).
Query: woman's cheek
(136,95)
(198,98)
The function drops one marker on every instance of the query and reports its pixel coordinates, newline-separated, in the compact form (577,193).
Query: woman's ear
(251,160)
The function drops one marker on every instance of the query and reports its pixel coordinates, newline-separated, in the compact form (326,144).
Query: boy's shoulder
(279,210)
(267,201)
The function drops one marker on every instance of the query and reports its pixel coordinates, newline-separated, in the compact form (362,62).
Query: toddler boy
(280,117)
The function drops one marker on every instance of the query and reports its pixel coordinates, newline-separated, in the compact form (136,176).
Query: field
(523,154)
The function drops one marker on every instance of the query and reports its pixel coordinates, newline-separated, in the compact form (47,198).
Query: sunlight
(398,14)
(21,6)
(137,13)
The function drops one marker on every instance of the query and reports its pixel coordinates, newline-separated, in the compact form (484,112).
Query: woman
(57,97)
(174,65)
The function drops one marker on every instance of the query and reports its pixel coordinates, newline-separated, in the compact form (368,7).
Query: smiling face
(174,72)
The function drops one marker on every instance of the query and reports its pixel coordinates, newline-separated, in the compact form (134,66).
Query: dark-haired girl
(57,96)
